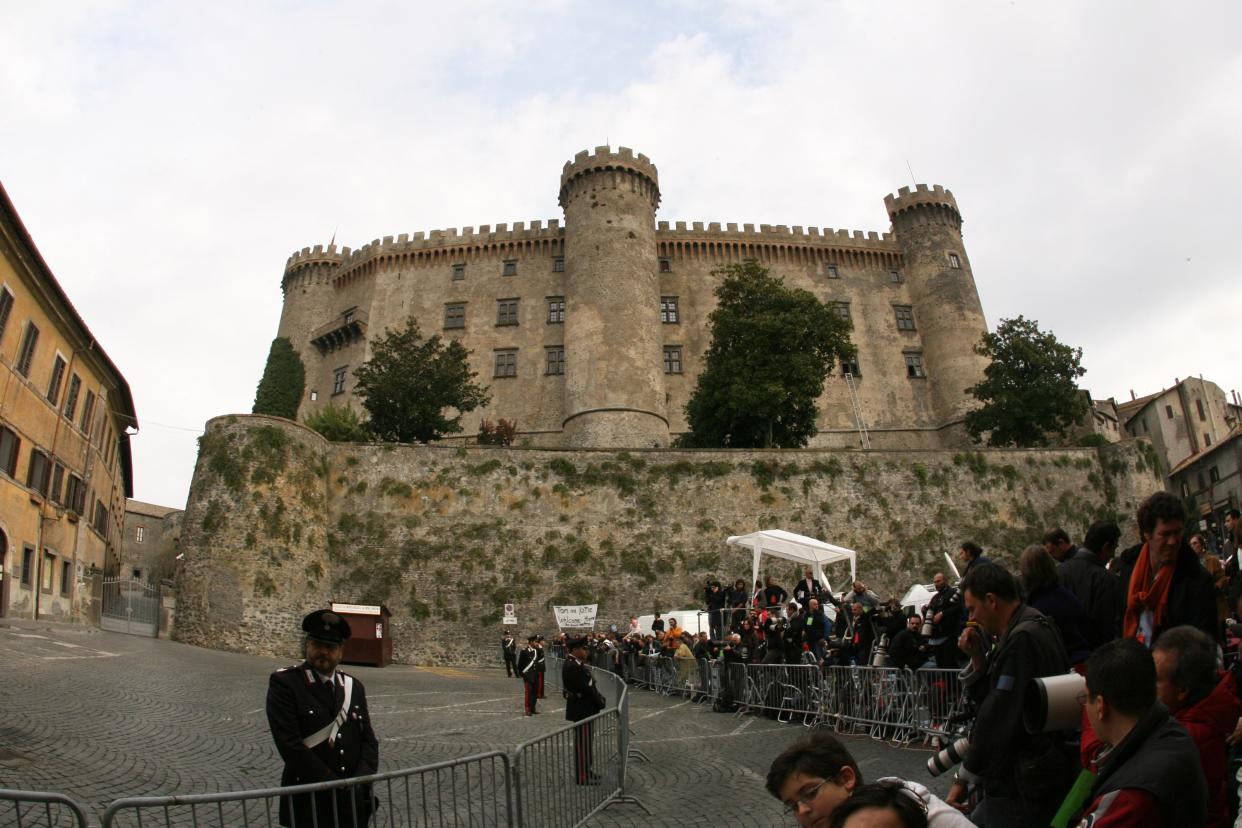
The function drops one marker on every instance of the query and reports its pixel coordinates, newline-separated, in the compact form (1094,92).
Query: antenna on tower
(913,180)
(334,229)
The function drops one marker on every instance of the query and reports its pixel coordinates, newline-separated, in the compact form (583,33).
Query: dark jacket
(1099,591)
(804,592)
(527,659)
(1059,604)
(582,697)
(907,650)
(949,602)
(1001,751)
(775,596)
(299,705)
(1157,757)
(1192,595)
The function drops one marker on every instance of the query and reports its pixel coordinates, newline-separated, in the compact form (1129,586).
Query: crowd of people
(1149,631)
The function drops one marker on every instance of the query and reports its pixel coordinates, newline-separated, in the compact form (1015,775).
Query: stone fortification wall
(280,521)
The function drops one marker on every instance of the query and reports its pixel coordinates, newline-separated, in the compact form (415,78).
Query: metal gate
(130,606)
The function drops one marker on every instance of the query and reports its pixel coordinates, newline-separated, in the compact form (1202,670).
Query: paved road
(100,715)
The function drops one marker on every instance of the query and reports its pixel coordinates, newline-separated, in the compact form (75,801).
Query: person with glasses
(1151,773)
(817,775)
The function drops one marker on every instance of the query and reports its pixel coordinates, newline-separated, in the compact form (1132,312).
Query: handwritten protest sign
(581,617)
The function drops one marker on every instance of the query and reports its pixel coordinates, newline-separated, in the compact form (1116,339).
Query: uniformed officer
(582,701)
(508,648)
(541,662)
(322,728)
(526,661)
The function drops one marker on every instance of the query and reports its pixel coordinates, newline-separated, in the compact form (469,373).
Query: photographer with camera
(1023,777)
(945,613)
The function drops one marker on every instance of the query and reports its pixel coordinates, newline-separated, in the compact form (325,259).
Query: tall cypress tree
(284,378)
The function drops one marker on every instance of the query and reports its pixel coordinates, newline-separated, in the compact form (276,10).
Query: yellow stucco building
(65,416)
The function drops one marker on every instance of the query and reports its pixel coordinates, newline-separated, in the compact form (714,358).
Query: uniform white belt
(328,732)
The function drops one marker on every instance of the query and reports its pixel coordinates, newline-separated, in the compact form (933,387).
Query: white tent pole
(754,575)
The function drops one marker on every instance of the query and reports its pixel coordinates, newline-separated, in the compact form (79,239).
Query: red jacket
(1208,723)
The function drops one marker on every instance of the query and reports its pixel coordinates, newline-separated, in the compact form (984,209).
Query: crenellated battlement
(922,195)
(349,258)
(605,160)
(774,234)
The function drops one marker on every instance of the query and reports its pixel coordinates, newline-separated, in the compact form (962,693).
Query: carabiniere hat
(326,626)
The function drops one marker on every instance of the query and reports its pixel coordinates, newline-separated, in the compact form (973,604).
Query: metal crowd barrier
(475,790)
(35,809)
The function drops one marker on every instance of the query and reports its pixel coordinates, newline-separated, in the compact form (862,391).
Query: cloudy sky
(168,157)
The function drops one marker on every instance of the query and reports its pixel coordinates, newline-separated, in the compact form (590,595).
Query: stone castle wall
(279,521)
(611,263)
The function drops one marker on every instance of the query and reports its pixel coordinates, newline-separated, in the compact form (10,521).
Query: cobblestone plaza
(99,715)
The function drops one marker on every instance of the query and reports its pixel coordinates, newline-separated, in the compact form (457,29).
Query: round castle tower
(307,289)
(928,228)
(614,380)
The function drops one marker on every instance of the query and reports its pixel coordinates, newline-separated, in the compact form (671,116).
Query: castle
(591,333)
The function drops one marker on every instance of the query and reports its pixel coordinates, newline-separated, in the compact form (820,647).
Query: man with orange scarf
(1165,583)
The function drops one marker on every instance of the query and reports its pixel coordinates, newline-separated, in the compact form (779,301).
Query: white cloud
(167,158)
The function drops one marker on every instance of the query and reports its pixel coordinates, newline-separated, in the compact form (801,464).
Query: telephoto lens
(927,629)
(1054,703)
(948,758)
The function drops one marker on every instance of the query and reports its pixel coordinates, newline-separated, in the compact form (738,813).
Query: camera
(879,655)
(928,628)
(1054,704)
(949,757)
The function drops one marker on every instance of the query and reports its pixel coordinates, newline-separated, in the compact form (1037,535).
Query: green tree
(340,424)
(410,384)
(771,348)
(284,378)
(1030,390)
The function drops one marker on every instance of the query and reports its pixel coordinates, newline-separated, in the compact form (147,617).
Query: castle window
(1214,474)
(100,523)
(666,266)
(139,534)
(25,356)
(842,309)
(66,577)
(558,264)
(37,473)
(1199,405)
(905,317)
(507,312)
(10,445)
(459,272)
(1168,410)
(75,494)
(88,413)
(849,365)
(49,570)
(895,277)
(58,376)
(556,310)
(831,271)
(71,398)
(672,359)
(556,360)
(314,395)
(509,268)
(506,363)
(668,310)
(338,381)
(58,479)
(27,565)
(347,317)
(914,366)
(955,262)
(455,315)
(6,307)
(1207,439)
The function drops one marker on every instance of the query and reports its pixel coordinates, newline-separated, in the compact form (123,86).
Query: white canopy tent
(778,543)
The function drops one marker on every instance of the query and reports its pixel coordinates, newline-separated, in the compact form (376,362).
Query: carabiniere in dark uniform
(322,729)
(582,701)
